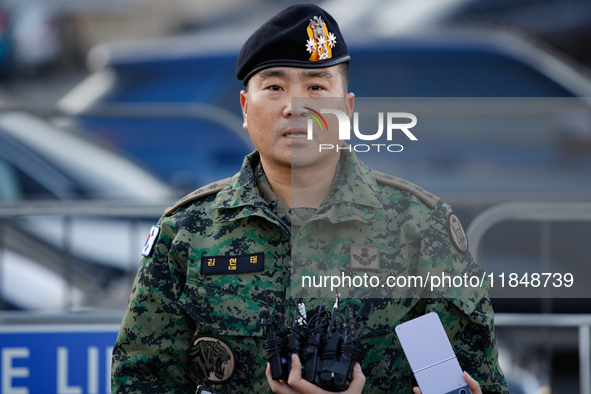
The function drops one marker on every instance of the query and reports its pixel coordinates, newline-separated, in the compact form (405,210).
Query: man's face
(277,130)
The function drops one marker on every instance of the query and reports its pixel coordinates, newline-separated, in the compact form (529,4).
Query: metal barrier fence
(543,212)
(62,257)
(81,208)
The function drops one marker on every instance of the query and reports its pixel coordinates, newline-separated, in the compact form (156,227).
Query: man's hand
(473,384)
(296,385)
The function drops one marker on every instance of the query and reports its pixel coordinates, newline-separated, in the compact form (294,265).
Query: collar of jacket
(354,195)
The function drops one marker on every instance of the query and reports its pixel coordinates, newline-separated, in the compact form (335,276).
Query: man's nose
(293,110)
(287,112)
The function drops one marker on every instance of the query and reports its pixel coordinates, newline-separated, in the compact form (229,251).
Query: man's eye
(274,88)
(316,87)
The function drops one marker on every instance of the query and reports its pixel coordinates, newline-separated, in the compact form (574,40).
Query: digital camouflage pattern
(172,303)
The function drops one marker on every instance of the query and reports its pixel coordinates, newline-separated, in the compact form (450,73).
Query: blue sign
(60,359)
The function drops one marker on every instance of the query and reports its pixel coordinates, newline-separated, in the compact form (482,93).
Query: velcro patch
(232,264)
(147,249)
(365,257)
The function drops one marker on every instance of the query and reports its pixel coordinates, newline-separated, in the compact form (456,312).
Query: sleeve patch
(458,236)
(149,245)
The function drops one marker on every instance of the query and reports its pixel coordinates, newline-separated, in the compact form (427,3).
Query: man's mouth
(296,134)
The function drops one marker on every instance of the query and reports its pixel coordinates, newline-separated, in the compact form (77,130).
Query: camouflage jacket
(223,255)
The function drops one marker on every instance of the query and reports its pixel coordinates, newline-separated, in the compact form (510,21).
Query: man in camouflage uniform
(233,248)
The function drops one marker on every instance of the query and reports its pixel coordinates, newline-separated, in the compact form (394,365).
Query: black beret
(303,35)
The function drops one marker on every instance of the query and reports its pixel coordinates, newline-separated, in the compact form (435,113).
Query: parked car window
(447,73)
(178,80)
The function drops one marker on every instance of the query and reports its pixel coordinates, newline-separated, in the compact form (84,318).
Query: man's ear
(350,104)
(244,105)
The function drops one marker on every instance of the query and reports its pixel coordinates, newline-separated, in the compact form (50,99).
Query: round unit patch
(212,359)
(457,233)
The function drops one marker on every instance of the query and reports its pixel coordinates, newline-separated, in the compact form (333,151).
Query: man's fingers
(277,386)
(273,383)
(295,374)
(473,384)
(296,368)
(295,383)
(358,381)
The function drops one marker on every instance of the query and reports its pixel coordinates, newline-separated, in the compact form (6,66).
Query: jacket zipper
(283,225)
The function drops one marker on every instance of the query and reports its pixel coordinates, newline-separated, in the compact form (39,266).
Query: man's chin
(299,160)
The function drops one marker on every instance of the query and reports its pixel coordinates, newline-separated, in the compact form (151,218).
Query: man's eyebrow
(306,74)
(269,73)
(317,74)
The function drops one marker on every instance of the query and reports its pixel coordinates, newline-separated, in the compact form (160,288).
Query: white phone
(431,357)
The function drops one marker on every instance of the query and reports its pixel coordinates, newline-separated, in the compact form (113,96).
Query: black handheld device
(275,344)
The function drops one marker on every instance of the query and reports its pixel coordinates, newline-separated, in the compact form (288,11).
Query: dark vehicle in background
(176,112)
(39,161)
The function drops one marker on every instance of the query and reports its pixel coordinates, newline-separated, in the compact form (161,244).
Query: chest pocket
(222,312)
(231,354)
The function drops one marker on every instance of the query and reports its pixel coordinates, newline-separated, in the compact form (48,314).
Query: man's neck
(301,187)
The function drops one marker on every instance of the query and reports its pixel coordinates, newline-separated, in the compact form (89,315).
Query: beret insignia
(320,41)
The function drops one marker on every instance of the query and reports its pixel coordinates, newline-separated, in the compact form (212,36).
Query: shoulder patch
(429,199)
(457,233)
(212,359)
(203,191)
